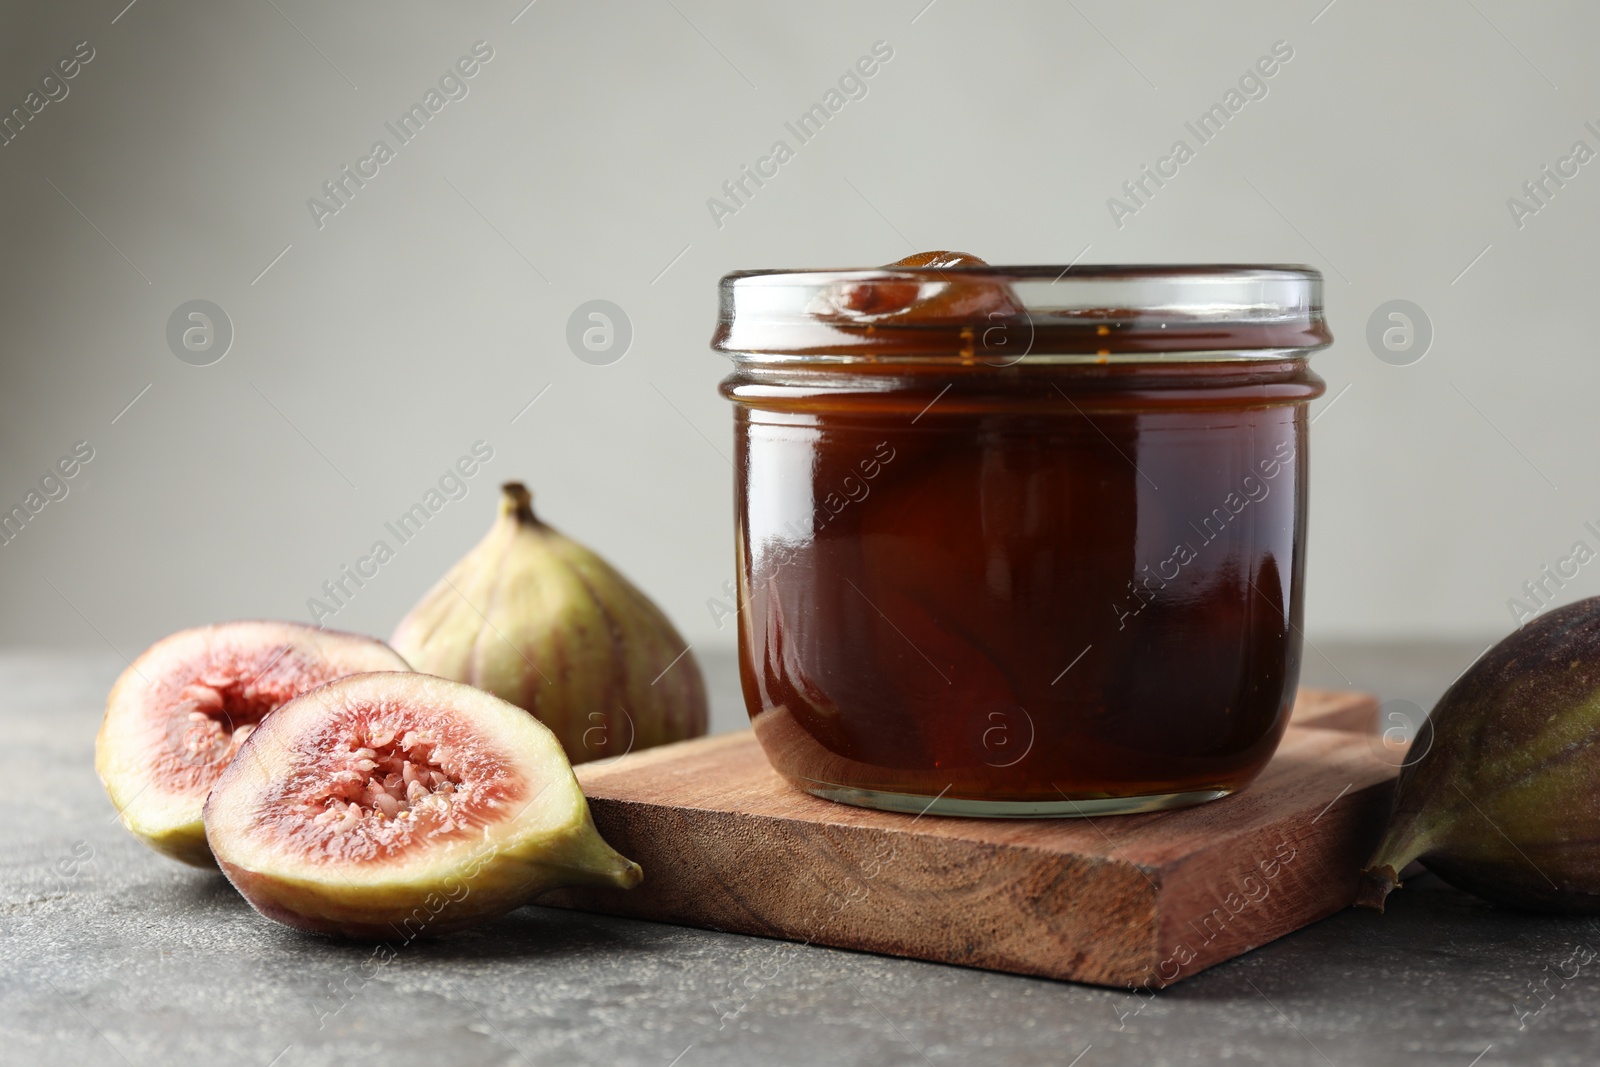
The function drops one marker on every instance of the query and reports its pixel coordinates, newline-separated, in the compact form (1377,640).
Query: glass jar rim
(1003,315)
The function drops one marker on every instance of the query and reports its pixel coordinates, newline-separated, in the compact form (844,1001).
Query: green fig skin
(541,621)
(1505,804)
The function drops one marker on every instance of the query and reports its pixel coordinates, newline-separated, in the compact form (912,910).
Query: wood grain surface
(1131,900)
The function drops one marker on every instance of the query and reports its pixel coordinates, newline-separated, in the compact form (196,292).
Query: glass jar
(1021,541)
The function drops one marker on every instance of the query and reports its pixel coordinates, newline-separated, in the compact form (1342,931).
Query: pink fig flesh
(183,708)
(390,806)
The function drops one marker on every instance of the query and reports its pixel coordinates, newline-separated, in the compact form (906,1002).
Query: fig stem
(517,503)
(1377,882)
(1381,875)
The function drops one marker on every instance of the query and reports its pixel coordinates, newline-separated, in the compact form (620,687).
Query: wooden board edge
(643,830)
(1091,942)
(1320,875)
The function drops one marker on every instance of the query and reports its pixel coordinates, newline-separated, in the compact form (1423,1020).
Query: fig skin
(1505,803)
(157,785)
(543,622)
(473,855)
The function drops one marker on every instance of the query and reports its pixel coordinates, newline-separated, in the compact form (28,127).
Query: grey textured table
(114,955)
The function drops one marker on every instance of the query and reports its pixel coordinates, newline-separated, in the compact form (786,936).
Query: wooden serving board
(1128,900)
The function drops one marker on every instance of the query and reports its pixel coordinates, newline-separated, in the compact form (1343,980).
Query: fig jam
(1008,549)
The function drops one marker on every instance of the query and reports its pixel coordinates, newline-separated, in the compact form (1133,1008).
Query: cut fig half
(390,806)
(181,711)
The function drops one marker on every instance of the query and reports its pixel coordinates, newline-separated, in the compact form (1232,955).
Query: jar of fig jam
(1020,541)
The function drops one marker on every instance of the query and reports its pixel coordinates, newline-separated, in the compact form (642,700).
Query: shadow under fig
(536,932)
(528,933)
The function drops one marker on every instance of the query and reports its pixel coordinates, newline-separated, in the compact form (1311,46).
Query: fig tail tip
(1377,882)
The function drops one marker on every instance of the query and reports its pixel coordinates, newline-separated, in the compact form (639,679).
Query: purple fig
(1505,803)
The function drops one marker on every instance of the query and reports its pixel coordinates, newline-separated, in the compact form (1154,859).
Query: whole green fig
(539,620)
(1505,802)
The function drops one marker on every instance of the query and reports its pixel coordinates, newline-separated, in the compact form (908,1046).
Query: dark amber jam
(1040,560)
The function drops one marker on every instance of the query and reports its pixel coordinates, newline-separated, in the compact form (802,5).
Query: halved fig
(402,805)
(180,711)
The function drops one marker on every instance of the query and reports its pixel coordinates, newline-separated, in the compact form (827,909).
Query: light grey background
(428,313)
